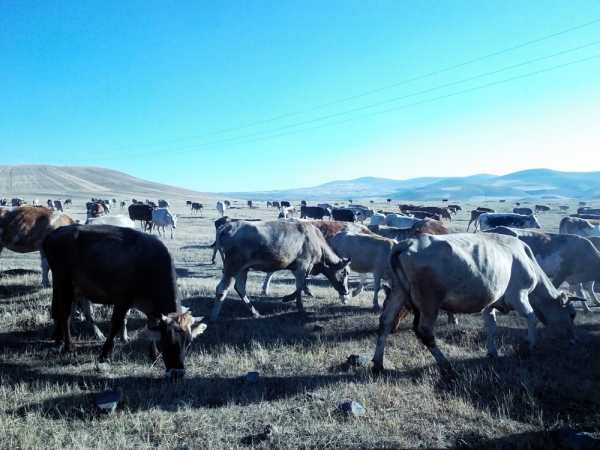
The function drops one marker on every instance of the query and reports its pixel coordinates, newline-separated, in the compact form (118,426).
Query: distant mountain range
(538,183)
(63,181)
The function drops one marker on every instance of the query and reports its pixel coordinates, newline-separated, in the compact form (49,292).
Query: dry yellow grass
(510,402)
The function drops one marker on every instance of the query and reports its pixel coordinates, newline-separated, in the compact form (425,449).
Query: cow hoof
(377,370)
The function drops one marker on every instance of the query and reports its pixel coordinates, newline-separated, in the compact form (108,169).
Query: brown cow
(23,230)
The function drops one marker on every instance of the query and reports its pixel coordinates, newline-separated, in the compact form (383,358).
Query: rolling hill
(65,181)
(538,183)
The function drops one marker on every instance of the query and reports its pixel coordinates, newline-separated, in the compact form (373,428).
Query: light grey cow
(579,227)
(271,246)
(467,274)
(564,257)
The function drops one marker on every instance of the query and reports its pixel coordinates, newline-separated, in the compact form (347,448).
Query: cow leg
(45,270)
(361,286)
(267,283)
(307,290)
(376,287)
(222,289)
(300,276)
(124,337)
(86,308)
(116,324)
(523,307)
(391,309)
(62,302)
(489,319)
(240,288)
(581,293)
(423,325)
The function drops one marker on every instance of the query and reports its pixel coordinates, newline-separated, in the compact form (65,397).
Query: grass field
(510,402)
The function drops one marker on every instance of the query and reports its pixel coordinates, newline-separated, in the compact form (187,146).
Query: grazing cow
(16,202)
(580,227)
(523,211)
(541,208)
(272,246)
(286,212)
(127,269)
(285,204)
(114,202)
(314,212)
(23,230)
(488,221)
(396,220)
(116,221)
(143,213)
(68,202)
(467,274)
(249,203)
(454,209)
(343,215)
(564,258)
(475,216)
(221,208)
(163,204)
(123,204)
(58,205)
(564,207)
(161,218)
(218,224)
(197,208)
(50,204)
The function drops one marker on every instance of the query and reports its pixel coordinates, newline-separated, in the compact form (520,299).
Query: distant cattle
(542,208)
(343,215)
(487,221)
(221,208)
(564,208)
(163,204)
(579,227)
(23,230)
(272,246)
(454,208)
(58,205)
(142,276)
(197,207)
(523,211)
(162,218)
(16,202)
(588,210)
(503,201)
(314,212)
(123,204)
(469,274)
(249,203)
(475,216)
(68,202)
(143,213)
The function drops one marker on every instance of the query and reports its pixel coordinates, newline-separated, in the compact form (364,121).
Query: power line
(235,139)
(383,88)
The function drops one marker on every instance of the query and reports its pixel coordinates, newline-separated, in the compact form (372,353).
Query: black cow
(523,211)
(143,213)
(197,207)
(343,215)
(125,268)
(313,212)
(285,204)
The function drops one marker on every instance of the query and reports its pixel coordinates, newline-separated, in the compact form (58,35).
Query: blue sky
(231,96)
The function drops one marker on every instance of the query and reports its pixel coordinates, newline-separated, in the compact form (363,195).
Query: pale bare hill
(63,181)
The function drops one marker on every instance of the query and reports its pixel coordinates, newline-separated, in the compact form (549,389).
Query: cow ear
(198,327)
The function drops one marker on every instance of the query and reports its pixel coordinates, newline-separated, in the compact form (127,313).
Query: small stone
(358,361)
(107,401)
(252,377)
(352,408)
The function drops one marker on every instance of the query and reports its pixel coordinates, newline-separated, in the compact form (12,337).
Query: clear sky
(254,95)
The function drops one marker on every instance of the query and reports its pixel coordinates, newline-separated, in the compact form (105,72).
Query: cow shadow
(19,272)
(17,290)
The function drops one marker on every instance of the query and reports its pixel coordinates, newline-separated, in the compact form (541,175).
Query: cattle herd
(422,267)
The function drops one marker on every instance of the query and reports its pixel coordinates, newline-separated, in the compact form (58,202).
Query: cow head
(559,314)
(173,334)
(337,274)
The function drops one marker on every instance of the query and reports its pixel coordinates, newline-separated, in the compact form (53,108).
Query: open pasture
(509,402)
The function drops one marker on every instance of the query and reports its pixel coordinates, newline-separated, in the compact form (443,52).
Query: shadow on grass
(19,272)
(16,290)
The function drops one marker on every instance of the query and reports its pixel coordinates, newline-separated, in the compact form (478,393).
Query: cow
(161,218)
(143,213)
(218,224)
(285,204)
(396,220)
(249,203)
(424,215)
(142,276)
(475,216)
(468,274)
(163,204)
(377,219)
(564,207)
(16,202)
(49,204)
(286,212)
(593,217)
(343,215)
(361,213)
(123,204)
(487,221)
(580,227)
(454,209)
(23,230)
(117,221)
(523,211)
(68,202)
(314,212)
(541,208)
(275,205)
(221,208)
(564,258)
(425,226)
(58,205)
(271,246)
(197,208)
